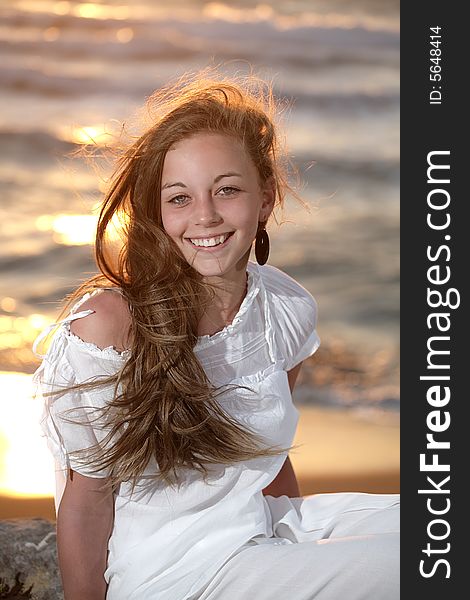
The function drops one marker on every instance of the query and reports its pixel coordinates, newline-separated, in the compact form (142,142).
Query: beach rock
(28,560)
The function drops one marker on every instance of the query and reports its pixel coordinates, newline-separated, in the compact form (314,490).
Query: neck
(224,307)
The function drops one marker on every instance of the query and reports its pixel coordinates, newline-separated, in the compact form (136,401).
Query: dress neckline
(252,290)
(253,287)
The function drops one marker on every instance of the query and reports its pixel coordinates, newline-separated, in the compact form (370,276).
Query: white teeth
(215,241)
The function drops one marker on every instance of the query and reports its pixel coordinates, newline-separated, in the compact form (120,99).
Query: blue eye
(175,198)
(227,190)
(231,190)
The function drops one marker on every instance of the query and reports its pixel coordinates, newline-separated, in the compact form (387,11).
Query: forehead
(210,151)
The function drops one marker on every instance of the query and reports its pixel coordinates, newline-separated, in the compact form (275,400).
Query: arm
(85,516)
(84,525)
(285,483)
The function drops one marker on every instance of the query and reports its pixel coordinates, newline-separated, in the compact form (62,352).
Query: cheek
(248,219)
(170,224)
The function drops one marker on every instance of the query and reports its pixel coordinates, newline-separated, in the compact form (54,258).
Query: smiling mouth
(210,242)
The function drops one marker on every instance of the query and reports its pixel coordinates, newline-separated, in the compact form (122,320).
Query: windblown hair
(163,400)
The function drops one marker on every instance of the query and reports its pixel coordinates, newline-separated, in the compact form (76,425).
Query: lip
(210,248)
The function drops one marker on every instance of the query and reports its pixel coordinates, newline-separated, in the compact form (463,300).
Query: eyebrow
(216,180)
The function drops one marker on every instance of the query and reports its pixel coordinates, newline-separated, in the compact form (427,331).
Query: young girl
(180,486)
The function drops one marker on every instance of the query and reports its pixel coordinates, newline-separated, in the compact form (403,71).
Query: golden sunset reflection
(61,8)
(8,304)
(220,10)
(51,34)
(265,12)
(214,11)
(124,35)
(97,135)
(77,230)
(88,10)
(16,332)
(70,230)
(26,465)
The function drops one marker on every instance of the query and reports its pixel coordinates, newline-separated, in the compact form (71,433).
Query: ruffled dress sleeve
(68,361)
(295,313)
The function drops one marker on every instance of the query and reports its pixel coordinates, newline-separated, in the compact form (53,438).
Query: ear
(268,191)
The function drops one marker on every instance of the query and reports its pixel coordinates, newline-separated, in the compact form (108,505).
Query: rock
(28,560)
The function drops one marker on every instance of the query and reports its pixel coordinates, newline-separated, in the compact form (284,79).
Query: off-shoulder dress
(224,539)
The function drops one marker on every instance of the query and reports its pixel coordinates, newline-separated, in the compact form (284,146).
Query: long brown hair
(167,408)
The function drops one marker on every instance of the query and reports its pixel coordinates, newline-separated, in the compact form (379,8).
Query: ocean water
(70,71)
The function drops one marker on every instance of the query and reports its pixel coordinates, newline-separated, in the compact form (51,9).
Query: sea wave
(336,15)
(302,42)
(29,81)
(31,146)
(335,66)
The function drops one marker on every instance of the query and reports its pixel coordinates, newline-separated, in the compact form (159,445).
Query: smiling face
(212,201)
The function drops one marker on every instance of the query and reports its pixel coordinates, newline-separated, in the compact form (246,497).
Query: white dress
(198,542)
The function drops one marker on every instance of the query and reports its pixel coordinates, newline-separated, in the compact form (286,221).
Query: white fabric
(354,553)
(169,544)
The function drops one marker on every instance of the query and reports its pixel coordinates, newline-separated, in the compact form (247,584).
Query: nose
(205,211)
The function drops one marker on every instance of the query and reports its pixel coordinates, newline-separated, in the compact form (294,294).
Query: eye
(228,190)
(175,199)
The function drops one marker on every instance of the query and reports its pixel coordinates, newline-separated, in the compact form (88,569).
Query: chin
(211,268)
(215,266)
(210,271)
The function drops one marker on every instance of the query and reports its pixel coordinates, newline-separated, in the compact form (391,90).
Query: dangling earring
(262,245)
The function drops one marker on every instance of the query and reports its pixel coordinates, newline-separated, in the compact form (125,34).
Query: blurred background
(72,71)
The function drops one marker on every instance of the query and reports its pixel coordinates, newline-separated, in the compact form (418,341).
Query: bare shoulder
(108,325)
